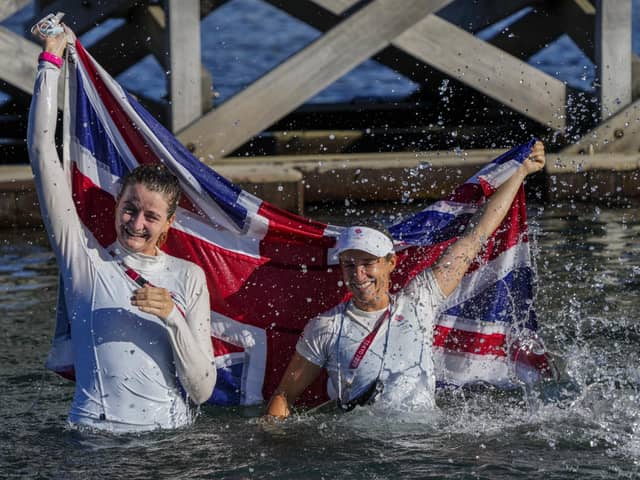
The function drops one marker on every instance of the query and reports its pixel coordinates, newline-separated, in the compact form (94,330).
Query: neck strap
(364,346)
(368,340)
(142,281)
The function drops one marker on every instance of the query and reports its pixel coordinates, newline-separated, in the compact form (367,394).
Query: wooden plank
(613,55)
(487,69)
(9,7)
(523,88)
(303,75)
(144,33)
(152,19)
(577,19)
(19,59)
(618,134)
(183,46)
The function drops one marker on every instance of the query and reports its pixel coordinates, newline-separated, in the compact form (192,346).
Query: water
(586,426)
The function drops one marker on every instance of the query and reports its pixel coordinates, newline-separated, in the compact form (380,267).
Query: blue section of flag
(503,304)
(221,190)
(508,300)
(430,227)
(92,135)
(518,153)
(228,389)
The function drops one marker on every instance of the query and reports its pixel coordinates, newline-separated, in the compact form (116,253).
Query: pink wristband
(51,58)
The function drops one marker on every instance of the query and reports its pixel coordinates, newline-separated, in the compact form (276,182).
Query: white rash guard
(127,363)
(406,370)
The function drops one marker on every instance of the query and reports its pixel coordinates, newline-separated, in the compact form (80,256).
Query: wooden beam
(153,22)
(144,33)
(618,134)
(183,46)
(470,61)
(19,59)
(613,55)
(142,41)
(523,88)
(576,18)
(488,69)
(9,7)
(304,74)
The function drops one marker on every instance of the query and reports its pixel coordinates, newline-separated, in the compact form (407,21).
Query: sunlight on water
(586,425)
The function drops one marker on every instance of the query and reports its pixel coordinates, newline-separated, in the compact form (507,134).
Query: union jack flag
(270,271)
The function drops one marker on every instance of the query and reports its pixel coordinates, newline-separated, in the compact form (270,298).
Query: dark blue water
(587,426)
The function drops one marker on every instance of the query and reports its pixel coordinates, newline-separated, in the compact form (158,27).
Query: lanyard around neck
(368,340)
(364,346)
(141,281)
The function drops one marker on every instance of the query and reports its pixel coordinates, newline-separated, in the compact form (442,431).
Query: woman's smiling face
(367,277)
(141,218)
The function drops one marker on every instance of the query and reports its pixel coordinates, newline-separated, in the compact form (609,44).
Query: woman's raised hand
(58,43)
(536,159)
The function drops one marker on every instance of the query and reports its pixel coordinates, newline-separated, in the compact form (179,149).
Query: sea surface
(586,426)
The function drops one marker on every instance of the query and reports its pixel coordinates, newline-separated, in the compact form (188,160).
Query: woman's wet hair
(156,178)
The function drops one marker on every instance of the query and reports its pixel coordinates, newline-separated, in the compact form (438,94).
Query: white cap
(365,239)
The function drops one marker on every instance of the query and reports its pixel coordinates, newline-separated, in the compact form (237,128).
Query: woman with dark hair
(140,319)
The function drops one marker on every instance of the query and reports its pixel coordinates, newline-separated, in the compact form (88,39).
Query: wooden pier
(291,153)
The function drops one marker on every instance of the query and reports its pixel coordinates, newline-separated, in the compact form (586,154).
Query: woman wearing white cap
(377,346)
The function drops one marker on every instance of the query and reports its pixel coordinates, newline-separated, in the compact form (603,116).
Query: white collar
(138,261)
(364,318)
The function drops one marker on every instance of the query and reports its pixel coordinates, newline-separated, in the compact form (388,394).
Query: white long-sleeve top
(127,362)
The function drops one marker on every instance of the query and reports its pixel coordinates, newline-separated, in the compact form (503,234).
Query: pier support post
(613,55)
(183,46)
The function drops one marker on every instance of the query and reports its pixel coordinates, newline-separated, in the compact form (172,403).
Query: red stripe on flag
(96,208)
(220,347)
(294,240)
(468,193)
(469,342)
(226,272)
(413,260)
(129,131)
(127,128)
